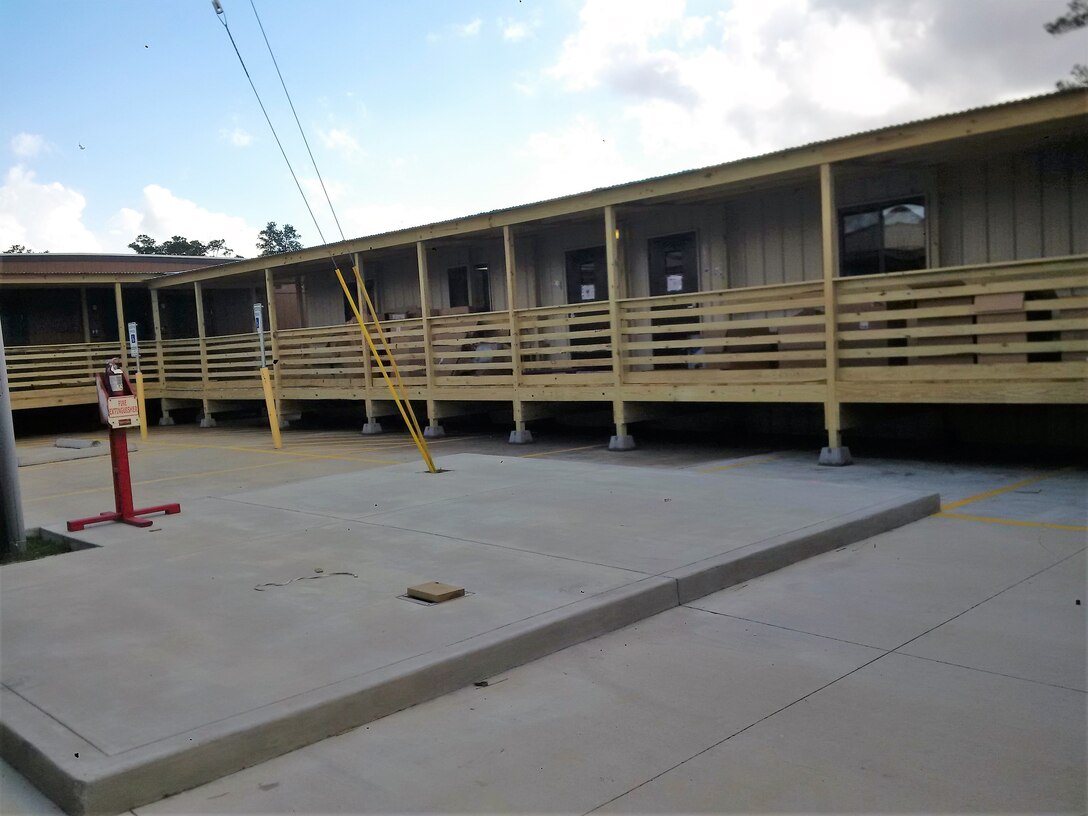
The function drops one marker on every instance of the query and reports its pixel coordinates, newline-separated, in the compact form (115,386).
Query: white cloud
(469,29)
(342,142)
(514,30)
(768,74)
(237,136)
(570,160)
(27,145)
(163,215)
(43,216)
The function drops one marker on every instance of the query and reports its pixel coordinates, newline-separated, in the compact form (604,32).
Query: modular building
(939,262)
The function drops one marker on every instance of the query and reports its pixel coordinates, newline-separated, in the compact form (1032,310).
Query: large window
(886,237)
(471,288)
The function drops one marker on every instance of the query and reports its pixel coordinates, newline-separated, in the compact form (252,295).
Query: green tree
(179,245)
(272,239)
(1076,17)
(18,249)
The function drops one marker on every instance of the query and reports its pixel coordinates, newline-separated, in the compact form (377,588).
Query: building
(943,261)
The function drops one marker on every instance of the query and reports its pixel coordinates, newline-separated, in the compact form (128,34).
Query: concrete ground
(936,667)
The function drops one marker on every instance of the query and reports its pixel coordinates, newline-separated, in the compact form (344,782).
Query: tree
(1076,17)
(179,245)
(18,249)
(273,240)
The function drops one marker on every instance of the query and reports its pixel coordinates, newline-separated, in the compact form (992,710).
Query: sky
(135,117)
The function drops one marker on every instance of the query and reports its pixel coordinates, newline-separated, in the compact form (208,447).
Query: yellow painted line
(740,464)
(999,490)
(109,488)
(563,450)
(1014,522)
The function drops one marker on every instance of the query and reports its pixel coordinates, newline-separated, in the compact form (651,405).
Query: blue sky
(423,110)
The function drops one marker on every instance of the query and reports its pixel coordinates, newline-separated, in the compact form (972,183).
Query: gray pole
(11,506)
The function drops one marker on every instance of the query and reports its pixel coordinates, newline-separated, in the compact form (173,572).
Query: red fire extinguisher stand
(120,410)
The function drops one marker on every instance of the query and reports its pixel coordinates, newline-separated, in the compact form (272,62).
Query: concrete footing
(165,420)
(207,422)
(434,432)
(371,429)
(621,443)
(521,437)
(835,457)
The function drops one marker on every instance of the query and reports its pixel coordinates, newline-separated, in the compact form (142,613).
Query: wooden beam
(510,259)
(428,343)
(156,324)
(829,238)
(368,360)
(615,281)
(122,334)
(202,340)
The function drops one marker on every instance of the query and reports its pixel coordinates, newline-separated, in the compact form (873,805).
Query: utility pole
(11,507)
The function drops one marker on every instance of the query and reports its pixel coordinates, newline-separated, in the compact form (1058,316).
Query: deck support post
(622,440)
(835,453)
(520,435)
(122,332)
(274,336)
(433,429)
(206,420)
(160,360)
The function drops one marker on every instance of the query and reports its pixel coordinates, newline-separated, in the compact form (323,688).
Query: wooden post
(273,333)
(206,421)
(520,435)
(86,313)
(834,454)
(622,440)
(122,333)
(368,363)
(156,324)
(433,429)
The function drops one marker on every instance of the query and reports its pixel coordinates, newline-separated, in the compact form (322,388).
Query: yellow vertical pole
(140,405)
(510,259)
(274,335)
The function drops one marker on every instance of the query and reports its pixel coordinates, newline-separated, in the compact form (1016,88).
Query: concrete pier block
(207,421)
(621,443)
(521,437)
(434,432)
(835,457)
(371,428)
(165,420)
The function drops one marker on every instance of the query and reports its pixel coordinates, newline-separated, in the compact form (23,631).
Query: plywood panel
(951,217)
(1001,227)
(1057,231)
(1028,202)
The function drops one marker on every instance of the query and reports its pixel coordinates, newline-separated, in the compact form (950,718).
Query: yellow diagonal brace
(408,416)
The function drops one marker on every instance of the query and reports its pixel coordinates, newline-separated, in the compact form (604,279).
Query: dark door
(673,271)
(587,281)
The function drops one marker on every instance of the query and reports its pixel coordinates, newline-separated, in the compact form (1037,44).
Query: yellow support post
(409,415)
(270,404)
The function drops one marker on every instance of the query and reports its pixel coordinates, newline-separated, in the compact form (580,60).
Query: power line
(223,19)
(290,102)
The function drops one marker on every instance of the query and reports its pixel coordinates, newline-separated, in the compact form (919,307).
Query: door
(587,281)
(673,271)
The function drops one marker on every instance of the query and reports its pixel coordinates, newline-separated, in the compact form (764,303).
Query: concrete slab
(901,735)
(1034,631)
(908,582)
(153,664)
(601,716)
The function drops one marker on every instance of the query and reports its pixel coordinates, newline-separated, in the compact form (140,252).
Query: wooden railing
(572,340)
(1013,332)
(766,332)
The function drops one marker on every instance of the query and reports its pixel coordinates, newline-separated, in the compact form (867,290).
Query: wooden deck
(999,333)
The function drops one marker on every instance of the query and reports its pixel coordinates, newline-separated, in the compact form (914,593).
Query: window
(470,289)
(887,237)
